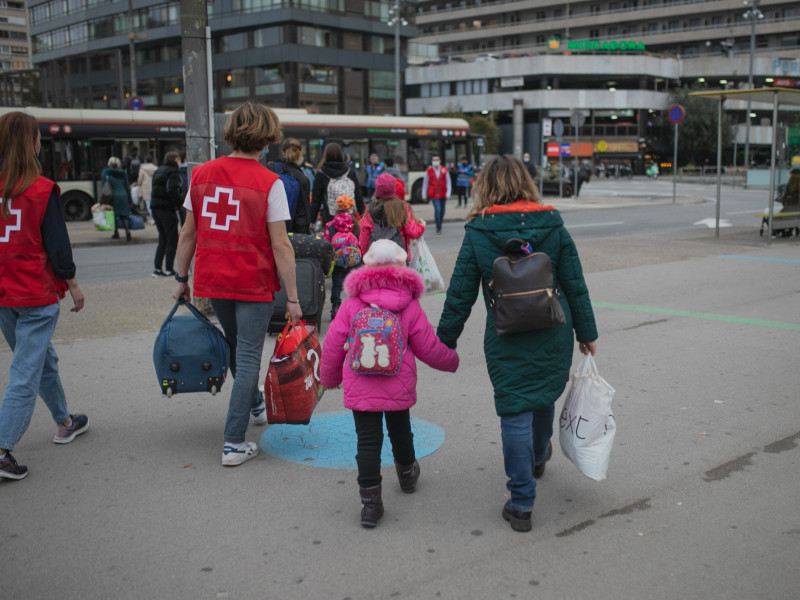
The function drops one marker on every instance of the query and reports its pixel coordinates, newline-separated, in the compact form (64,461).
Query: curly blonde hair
(502,181)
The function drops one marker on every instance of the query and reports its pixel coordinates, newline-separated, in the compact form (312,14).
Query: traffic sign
(676,113)
(577,119)
(135,103)
(558,128)
(547,127)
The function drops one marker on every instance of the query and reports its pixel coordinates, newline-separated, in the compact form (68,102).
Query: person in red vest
(437,187)
(36,269)
(236,231)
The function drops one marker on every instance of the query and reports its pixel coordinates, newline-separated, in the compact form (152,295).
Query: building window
(235,83)
(313,36)
(381,84)
(269,81)
(267,36)
(317,79)
(233,42)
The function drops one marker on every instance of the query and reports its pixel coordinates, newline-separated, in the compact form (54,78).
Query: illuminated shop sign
(554,43)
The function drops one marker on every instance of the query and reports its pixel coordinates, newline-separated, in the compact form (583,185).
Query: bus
(77,143)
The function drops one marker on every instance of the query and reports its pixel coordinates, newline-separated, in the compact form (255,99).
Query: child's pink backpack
(346,252)
(375,342)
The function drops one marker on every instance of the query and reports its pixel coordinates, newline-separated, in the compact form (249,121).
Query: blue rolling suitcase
(190,354)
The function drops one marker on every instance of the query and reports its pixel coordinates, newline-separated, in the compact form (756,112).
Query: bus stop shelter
(777,97)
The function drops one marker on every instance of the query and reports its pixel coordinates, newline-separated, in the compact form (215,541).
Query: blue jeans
(245,326)
(34,370)
(525,438)
(438,211)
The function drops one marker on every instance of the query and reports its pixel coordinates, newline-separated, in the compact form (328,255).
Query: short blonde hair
(252,127)
(114,163)
(502,181)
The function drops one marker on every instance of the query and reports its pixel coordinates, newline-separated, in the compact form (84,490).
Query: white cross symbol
(9,228)
(224,206)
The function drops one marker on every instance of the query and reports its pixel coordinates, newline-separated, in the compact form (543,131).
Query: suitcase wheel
(213,390)
(169,392)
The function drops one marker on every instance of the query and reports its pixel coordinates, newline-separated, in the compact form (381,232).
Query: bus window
(102,150)
(398,151)
(83,154)
(357,150)
(46,159)
(420,151)
(314,152)
(62,160)
(167,145)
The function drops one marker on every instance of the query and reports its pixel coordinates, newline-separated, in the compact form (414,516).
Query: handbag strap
(200,316)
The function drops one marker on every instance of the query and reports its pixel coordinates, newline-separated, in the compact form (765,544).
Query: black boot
(519,521)
(408,476)
(538,470)
(335,308)
(372,509)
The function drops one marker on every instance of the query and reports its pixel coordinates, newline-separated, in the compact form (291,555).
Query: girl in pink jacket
(388,210)
(370,348)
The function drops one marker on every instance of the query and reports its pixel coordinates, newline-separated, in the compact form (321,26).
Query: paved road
(697,334)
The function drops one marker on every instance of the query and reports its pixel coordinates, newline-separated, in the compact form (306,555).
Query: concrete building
(614,61)
(329,56)
(15,60)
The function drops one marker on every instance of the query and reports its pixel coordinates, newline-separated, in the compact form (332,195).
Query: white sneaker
(236,454)
(259,412)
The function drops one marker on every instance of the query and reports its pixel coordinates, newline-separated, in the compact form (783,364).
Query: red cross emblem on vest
(6,227)
(221,208)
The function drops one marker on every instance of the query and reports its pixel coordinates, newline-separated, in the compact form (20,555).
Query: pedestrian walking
(235,230)
(145,181)
(465,172)
(389,212)
(334,178)
(389,293)
(121,198)
(437,188)
(165,201)
(36,270)
(528,370)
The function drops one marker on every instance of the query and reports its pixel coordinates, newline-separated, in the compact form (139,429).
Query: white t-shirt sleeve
(278,205)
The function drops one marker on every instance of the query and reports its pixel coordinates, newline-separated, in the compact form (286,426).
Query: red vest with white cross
(437,186)
(234,258)
(26,275)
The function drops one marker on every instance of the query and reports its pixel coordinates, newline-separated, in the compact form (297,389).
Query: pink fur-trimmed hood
(391,288)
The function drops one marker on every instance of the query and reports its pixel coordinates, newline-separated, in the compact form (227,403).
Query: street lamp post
(753,14)
(396,21)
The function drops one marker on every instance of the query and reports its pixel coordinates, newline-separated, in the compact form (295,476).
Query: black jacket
(319,193)
(300,224)
(166,192)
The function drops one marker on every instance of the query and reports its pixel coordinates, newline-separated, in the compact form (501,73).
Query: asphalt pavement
(699,335)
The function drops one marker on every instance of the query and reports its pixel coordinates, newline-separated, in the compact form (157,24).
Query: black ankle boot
(372,509)
(408,476)
(519,521)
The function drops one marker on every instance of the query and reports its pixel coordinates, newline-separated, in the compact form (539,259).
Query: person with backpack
(528,369)
(132,164)
(371,349)
(374,169)
(342,232)
(389,217)
(334,178)
(298,189)
(165,200)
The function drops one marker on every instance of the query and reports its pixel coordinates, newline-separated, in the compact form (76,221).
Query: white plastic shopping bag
(422,262)
(587,427)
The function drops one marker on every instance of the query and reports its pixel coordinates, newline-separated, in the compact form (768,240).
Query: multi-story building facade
(616,62)
(15,62)
(324,55)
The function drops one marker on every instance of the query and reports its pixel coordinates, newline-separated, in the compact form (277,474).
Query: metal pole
(131,48)
(575,174)
(675,165)
(719,160)
(541,155)
(396,58)
(212,145)
(753,12)
(194,20)
(772,165)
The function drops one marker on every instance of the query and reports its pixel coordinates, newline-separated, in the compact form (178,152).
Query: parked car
(486,57)
(550,184)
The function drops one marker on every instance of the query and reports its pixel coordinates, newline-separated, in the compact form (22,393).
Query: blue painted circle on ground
(329,441)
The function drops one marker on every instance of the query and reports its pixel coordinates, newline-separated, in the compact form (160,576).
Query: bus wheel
(77,206)
(567,190)
(416,193)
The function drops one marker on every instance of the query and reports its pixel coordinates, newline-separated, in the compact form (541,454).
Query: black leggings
(369,428)
(167,225)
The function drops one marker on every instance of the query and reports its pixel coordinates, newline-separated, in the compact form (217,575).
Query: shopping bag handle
(587,367)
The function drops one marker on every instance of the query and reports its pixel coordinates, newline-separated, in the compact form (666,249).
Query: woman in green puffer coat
(529,371)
